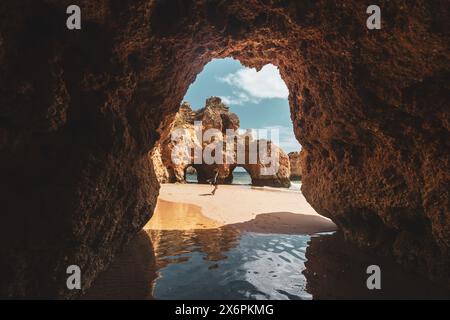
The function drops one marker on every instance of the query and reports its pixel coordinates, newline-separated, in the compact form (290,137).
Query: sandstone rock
(166,170)
(279,179)
(161,170)
(215,115)
(80,110)
(296,168)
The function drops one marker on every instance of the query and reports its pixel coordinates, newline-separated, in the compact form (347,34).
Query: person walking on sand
(215,182)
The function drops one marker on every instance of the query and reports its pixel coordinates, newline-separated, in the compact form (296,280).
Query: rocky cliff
(296,166)
(161,156)
(215,115)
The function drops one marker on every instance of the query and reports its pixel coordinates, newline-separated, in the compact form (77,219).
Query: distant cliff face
(296,167)
(215,115)
(161,156)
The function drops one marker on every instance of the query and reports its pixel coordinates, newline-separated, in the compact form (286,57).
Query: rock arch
(216,115)
(279,179)
(189,170)
(85,108)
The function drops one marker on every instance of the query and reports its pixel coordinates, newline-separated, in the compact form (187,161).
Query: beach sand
(257,209)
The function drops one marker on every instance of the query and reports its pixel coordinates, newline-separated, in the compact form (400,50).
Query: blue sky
(258,98)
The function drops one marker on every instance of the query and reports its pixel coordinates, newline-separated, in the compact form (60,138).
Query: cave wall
(79,111)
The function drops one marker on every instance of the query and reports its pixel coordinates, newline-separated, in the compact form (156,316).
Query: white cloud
(282,136)
(239,98)
(286,138)
(252,86)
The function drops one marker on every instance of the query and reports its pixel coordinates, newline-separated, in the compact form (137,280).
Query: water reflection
(131,274)
(227,264)
(336,269)
(230,262)
(170,245)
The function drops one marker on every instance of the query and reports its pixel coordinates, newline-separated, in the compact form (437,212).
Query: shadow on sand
(286,223)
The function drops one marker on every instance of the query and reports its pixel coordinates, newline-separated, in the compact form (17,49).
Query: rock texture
(215,115)
(161,156)
(296,167)
(80,110)
(280,179)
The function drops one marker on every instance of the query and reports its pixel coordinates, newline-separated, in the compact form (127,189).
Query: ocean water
(241,178)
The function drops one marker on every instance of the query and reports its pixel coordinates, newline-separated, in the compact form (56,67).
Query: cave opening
(228,97)
(228,209)
(215,239)
(86,107)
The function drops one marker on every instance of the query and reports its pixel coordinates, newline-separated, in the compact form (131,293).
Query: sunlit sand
(190,206)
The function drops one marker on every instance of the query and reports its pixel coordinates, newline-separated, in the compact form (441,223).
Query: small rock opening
(190,175)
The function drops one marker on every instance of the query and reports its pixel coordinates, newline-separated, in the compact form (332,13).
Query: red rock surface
(79,111)
(295,163)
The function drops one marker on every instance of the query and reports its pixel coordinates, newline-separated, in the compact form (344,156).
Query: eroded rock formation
(296,166)
(215,115)
(80,110)
(161,156)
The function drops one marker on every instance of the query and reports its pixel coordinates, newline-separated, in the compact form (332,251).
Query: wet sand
(170,215)
(267,210)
